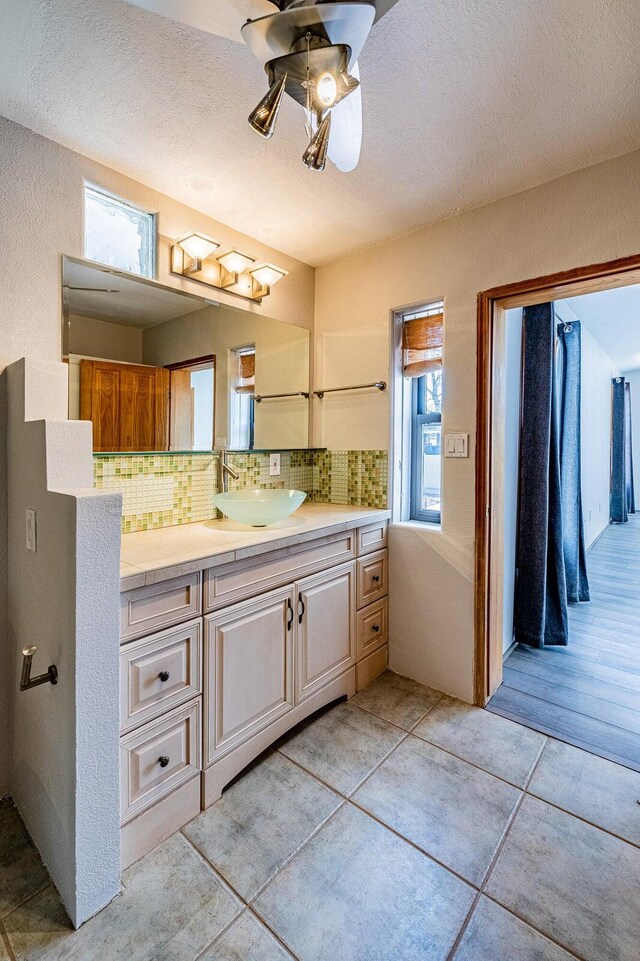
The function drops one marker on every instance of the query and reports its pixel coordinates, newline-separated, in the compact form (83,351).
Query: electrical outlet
(30,531)
(274,465)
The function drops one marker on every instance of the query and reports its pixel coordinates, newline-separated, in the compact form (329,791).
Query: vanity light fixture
(232,271)
(236,262)
(197,247)
(266,275)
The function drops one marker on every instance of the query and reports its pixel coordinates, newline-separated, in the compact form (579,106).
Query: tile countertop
(147,557)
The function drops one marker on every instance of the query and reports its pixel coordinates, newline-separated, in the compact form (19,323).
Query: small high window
(118,234)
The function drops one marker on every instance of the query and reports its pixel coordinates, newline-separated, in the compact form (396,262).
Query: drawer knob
(164,676)
(163,760)
(375,628)
(375,578)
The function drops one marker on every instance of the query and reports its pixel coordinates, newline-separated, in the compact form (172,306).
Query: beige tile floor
(401,826)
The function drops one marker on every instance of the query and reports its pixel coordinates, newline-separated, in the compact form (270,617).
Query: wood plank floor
(588,693)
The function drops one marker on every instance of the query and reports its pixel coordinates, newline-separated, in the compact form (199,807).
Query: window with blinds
(422,341)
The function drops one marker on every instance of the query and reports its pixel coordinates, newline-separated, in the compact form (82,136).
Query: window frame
(152,215)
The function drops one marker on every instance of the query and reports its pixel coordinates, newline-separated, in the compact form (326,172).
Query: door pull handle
(300,612)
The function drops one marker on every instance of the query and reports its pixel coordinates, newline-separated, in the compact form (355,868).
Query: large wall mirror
(158,369)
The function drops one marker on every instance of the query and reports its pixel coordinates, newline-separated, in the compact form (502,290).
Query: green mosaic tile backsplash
(169,489)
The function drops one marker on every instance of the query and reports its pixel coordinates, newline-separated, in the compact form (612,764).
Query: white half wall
(587,217)
(64,598)
(633,376)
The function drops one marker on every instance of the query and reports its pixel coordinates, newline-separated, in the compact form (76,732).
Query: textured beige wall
(100,338)
(584,218)
(282,366)
(41,186)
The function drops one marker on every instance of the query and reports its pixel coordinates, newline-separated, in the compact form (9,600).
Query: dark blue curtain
(569,366)
(629,491)
(540,612)
(622,493)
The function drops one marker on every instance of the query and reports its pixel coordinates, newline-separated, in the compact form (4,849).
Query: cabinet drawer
(373,537)
(372,628)
(160,672)
(241,579)
(372,578)
(149,608)
(158,758)
(249,669)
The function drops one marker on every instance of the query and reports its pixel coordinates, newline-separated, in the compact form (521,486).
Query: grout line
(514,814)
(412,844)
(465,924)
(473,764)
(346,797)
(271,931)
(4,939)
(34,894)
(225,884)
(570,951)
(393,724)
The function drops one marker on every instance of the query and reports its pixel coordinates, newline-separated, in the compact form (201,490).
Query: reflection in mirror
(158,369)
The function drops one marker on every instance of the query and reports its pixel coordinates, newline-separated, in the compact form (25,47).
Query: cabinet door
(325,621)
(248,669)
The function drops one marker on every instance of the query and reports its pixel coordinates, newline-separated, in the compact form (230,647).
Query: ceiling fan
(309,49)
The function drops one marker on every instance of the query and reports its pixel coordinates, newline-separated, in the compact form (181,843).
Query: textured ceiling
(613,317)
(464,102)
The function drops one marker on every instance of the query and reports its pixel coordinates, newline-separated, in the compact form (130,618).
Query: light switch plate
(274,465)
(31,542)
(456,445)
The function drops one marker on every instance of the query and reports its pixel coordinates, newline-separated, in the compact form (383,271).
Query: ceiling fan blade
(382,7)
(222,17)
(346,129)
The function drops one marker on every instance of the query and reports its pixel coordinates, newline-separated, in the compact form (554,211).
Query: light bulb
(198,246)
(267,274)
(235,262)
(327,89)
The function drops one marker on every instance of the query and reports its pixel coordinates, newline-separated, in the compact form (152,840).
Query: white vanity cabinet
(262,641)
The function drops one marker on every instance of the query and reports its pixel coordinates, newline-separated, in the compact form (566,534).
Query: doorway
(587,692)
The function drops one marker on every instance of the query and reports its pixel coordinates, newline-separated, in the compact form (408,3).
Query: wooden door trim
(566,283)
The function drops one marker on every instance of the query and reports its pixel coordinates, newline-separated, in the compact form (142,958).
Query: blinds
(247,373)
(422,344)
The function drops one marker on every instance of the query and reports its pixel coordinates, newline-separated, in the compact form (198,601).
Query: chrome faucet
(226,471)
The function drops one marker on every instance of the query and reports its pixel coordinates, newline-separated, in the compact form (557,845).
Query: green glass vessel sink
(259,507)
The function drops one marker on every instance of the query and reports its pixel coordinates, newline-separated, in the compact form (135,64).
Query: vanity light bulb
(235,262)
(268,274)
(198,246)
(327,89)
